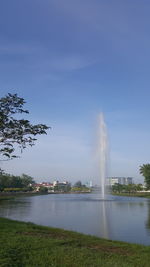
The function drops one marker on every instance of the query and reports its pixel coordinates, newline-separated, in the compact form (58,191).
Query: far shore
(10,195)
(145,194)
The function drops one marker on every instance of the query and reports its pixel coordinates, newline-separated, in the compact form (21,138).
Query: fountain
(102,153)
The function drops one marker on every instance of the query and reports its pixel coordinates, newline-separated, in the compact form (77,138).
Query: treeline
(13,183)
(66,188)
(25,183)
(79,187)
(130,188)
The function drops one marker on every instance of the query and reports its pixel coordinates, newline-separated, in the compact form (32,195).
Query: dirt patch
(109,249)
(44,235)
(98,247)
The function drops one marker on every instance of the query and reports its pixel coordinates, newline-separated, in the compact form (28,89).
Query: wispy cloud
(39,57)
(70,62)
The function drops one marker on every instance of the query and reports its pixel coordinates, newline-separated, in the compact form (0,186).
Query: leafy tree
(4,181)
(11,181)
(43,189)
(27,180)
(67,188)
(145,171)
(62,188)
(16,182)
(131,188)
(16,132)
(118,188)
(139,187)
(78,184)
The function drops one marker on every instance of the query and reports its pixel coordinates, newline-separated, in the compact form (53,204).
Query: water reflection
(12,208)
(147,224)
(116,218)
(104,221)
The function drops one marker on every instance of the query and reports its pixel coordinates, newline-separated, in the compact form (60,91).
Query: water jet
(102,153)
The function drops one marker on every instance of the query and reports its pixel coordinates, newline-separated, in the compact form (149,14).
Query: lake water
(116,218)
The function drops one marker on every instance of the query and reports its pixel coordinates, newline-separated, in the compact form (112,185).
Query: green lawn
(8,196)
(136,194)
(26,244)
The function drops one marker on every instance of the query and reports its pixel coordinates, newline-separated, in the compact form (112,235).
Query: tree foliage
(12,181)
(43,189)
(145,171)
(62,188)
(27,180)
(16,132)
(130,188)
(78,184)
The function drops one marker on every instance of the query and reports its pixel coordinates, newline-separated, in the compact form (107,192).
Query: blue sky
(71,60)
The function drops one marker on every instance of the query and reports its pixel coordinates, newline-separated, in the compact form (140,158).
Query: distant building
(44,184)
(55,183)
(60,183)
(89,184)
(120,180)
(50,186)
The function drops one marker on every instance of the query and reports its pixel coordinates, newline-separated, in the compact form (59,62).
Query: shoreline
(11,195)
(137,194)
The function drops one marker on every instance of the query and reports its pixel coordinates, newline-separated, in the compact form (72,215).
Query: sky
(71,60)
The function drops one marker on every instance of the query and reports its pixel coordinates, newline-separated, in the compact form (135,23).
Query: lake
(116,218)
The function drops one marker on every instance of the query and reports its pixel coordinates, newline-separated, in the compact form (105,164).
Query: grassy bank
(25,244)
(12,195)
(6,197)
(136,194)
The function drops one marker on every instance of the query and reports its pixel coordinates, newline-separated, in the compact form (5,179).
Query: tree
(62,188)
(139,187)
(43,189)
(16,132)
(131,188)
(145,171)
(12,181)
(27,180)
(78,184)
(4,181)
(118,188)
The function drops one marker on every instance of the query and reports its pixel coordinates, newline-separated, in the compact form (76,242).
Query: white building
(55,183)
(120,180)
(89,184)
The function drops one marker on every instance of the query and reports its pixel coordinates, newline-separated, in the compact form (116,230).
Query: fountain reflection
(104,221)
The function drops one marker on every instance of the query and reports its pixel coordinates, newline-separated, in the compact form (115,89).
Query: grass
(136,194)
(6,197)
(12,195)
(26,244)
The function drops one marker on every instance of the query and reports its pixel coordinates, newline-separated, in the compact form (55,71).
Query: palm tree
(145,171)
